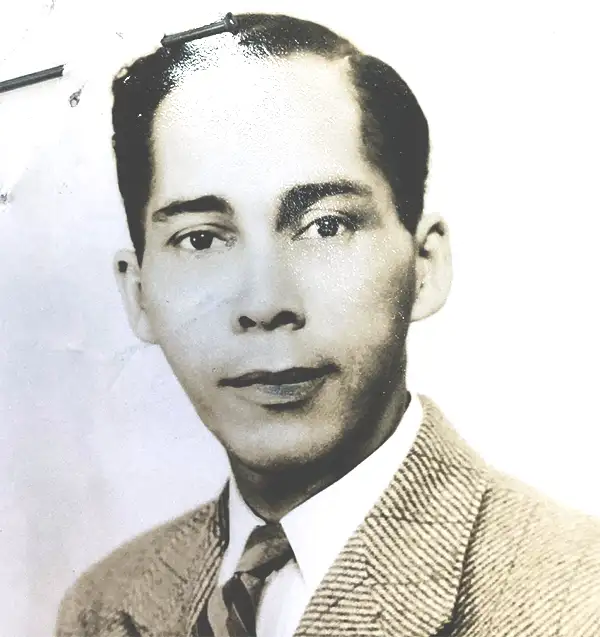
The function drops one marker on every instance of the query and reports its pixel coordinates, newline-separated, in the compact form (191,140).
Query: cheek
(370,287)
(186,305)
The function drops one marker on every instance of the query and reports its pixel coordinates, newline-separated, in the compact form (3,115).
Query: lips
(293,385)
(284,377)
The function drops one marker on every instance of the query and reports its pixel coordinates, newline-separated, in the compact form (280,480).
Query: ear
(433,267)
(128,274)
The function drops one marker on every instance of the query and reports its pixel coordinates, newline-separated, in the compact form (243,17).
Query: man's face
(277,277)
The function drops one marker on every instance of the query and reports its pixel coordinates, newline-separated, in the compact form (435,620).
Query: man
(273,183)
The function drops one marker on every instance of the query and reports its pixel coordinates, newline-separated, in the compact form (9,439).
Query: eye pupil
(201,240)
(328,226)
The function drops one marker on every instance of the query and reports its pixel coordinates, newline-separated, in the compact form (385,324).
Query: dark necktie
(231,609)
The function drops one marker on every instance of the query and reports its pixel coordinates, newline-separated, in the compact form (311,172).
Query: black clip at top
(229,24)
(32,78)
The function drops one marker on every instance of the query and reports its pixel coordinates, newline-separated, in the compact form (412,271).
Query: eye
(326,227)
(199,240)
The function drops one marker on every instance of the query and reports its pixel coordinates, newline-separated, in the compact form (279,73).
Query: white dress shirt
(317,530)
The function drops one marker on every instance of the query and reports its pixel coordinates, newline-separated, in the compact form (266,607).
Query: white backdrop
(97,440)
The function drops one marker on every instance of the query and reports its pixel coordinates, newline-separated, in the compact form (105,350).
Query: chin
(278,447)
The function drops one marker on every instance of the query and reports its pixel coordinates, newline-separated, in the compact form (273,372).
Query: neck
(273,494)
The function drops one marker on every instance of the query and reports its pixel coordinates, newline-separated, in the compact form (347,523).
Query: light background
(97,441)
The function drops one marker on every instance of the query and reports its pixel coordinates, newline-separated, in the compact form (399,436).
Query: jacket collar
(166,599)
(399,573)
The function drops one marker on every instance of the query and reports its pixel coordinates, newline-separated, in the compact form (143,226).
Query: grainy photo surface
(237,291)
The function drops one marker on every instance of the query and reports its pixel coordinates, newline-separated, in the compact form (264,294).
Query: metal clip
(229,24)
(31,78)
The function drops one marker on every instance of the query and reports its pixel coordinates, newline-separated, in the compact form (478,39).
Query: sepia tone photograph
(300,320)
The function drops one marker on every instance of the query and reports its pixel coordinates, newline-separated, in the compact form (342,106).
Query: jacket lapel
(400,573)
(344,604)
(167,599)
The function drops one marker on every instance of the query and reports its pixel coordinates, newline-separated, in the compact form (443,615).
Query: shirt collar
(319,528)
(242,520)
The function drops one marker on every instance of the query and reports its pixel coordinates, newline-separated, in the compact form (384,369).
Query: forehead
(257,125)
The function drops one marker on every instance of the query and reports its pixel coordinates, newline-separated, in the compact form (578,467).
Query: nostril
(246,322)
(286,317)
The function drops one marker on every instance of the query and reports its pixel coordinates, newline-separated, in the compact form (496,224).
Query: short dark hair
(394,129)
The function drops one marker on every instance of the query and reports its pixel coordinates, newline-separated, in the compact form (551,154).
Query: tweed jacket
(452,548)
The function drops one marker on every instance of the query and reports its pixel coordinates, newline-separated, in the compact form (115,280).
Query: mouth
(287,386)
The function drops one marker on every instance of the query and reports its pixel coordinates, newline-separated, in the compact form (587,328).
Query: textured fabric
(452,548)
(232,608)
(317,529)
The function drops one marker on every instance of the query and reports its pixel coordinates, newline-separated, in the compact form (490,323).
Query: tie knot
(266,550)
(232,609)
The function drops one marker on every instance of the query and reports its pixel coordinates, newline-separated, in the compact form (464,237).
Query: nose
(270,299)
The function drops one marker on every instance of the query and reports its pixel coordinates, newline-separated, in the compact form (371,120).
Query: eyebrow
(291,207)
(207,203)
(298,198)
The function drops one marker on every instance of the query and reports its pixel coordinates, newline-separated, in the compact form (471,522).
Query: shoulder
(106,585)
(532,563)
